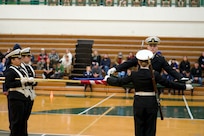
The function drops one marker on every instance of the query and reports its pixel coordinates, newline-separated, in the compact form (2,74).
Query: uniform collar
(144,67)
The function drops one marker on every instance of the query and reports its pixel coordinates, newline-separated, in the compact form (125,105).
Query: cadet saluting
(18,96)
(158,62)
(145,105)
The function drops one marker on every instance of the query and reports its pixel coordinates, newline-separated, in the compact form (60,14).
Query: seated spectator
(52,2)
(48,69)
(94,2)
(69,55)
(59,71)
(96,58)
(2,66)
(88,74)
(119,59)
(173,63)
(54,57)
(67,64)
(194,3)
(130,56)
(66,2)
(41,59)
(196,73)
(184,66)
(151,3)
(97,71)
(201,61)
(105,63)
(109,2)
(136,3)
(166,3)
(80,2)
(181,3)
(122,3)
(123,73)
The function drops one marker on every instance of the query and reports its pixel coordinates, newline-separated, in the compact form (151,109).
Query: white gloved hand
(111,71)
(106,77)
(31,80)
(189,87)
(184,79)
(24,80)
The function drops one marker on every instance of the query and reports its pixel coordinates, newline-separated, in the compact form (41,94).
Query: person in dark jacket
(105,63)
(196,73)
(158,61)
(184,66)
(201,60)
(145,105)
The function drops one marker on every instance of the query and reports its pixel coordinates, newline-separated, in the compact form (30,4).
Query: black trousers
(19,112)
(144,118)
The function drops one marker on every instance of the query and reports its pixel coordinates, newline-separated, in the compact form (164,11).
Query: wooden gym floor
(105,114)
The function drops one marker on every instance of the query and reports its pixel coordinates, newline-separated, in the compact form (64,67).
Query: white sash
(26,90)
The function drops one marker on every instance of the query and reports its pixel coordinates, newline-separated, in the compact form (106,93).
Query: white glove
(31,80)
(189,87)
(106,77)
(111,71)
(186,80)
(24,80)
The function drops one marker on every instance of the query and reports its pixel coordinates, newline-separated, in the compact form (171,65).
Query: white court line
(188,109)
(96,104)
(91,124)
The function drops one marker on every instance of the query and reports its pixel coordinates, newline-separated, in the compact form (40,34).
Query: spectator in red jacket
(42,59)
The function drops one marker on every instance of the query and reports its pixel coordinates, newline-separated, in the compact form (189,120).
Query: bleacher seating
(171,47)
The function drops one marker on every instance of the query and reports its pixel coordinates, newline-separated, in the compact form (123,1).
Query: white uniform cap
(14,54)
(152,40)
(25,51)
(144,55)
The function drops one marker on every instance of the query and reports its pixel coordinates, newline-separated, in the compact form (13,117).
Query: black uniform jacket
(142,81)
(158,62)
(11,82)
